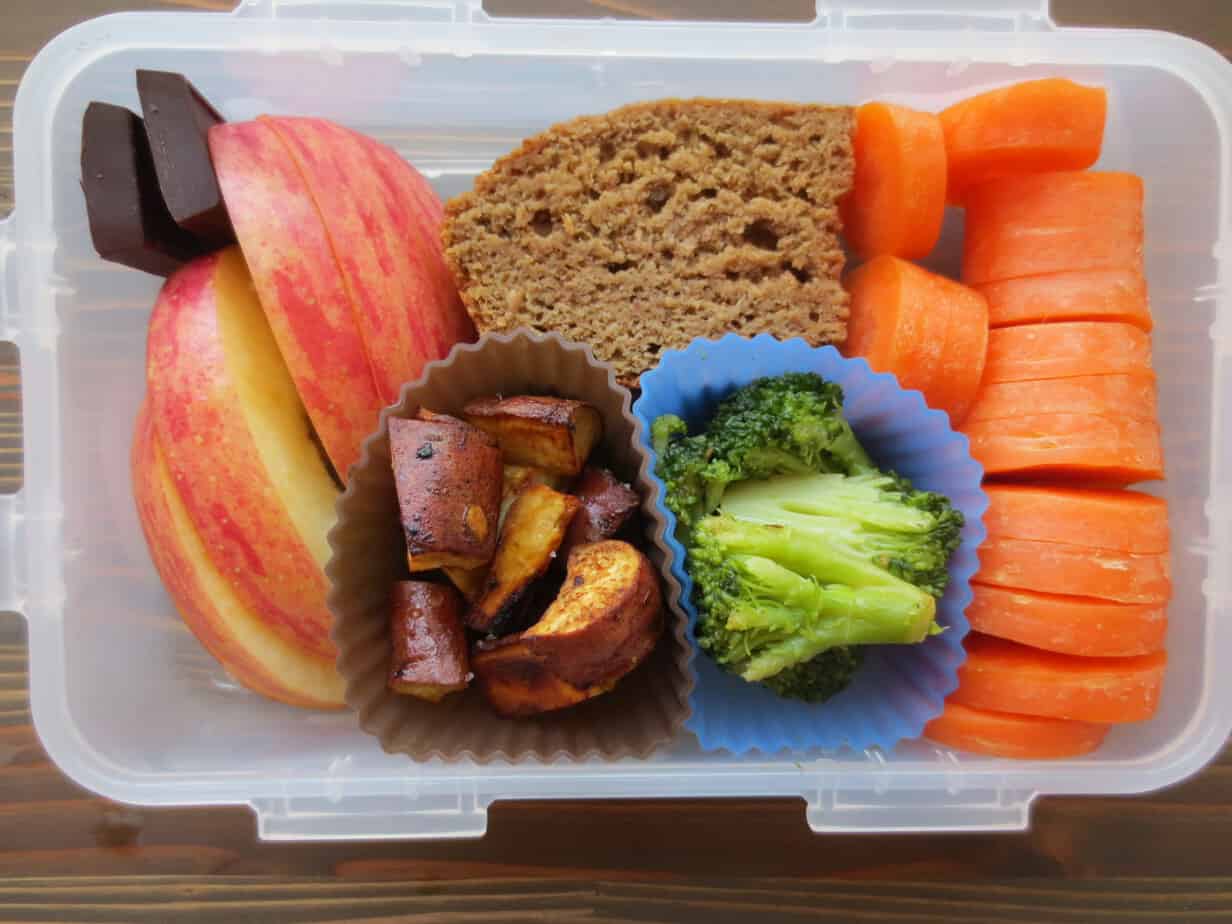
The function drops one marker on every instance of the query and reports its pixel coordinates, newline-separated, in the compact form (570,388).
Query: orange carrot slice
(1131,396)
(1068,624)
(1004,734)
(1008,677)
(1052,223)
(957,385)
(1056,351)
(1123,521)
(1030,127)
(1076,570)
(897,201)
(896,322)
(931,332)
(1081,295)
(1087,447)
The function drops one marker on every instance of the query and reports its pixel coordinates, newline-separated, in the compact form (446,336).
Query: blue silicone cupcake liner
(900,687)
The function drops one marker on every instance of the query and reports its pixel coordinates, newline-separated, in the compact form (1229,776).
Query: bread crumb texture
(641,229)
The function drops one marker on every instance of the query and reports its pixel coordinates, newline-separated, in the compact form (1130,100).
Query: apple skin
(384,221)
(301,287)
(255,655)
(451,323)
(236,443)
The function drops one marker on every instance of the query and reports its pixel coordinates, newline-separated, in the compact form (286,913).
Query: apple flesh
(301,287)
(260,658)
(237,445)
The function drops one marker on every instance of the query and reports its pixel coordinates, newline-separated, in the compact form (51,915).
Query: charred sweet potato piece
(518,477)
(556,434)
(529,538)
(428,641)
(448,476)
(469,581)
(606,618)
(517,682)
(425,414)
(607,505)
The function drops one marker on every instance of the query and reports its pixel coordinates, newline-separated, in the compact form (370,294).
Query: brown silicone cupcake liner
(645,710)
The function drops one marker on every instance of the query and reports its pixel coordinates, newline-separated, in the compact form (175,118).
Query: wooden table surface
(66,855)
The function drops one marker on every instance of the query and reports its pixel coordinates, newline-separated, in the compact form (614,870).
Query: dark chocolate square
(129,222)
(177,123)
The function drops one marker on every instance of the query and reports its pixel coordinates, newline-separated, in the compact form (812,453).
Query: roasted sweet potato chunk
(469,581)
(518,477)
(607,505)
(428,641)
(448,476)
(530,536)
(517,682)
(606,618)
(556,434)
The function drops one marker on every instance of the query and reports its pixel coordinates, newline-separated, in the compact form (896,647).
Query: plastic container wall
(131,706)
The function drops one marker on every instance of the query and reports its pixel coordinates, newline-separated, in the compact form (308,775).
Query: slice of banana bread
(638,230)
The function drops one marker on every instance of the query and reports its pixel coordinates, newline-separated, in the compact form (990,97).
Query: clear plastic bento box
(130,706)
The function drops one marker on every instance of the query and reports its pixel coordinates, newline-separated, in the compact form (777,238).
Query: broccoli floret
(665,429)
(813,551)
(789,424)
(769,599)
(818,680)
(872,515)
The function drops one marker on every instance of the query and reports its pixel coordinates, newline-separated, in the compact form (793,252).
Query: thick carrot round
(1081,295)
(1031,127)
(895,321)
(1052,223)
(931,332)
(1007,677)
(1071,625)
(1124,521)
(1131,396)
(897,202)
(957,384)
(1075,570)
(1084,447)
(1004,734)
(1056,351)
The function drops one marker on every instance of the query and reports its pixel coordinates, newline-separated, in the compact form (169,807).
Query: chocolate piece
(177,123)
(129,222)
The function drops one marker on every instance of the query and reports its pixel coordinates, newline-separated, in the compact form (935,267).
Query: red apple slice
(301,287)
(237,445)
(384,221)
(406,184)
(258,657)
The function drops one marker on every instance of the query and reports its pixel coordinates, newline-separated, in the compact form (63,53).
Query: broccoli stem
(800,552)
(822,617)
(869,616)
(865,499)
(869,516)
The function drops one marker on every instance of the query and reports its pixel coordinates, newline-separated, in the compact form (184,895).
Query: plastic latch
(974,15)
(905,810)
(364,10)
(439,814)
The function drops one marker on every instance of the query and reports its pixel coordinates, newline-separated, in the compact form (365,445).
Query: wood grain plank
(705,900)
